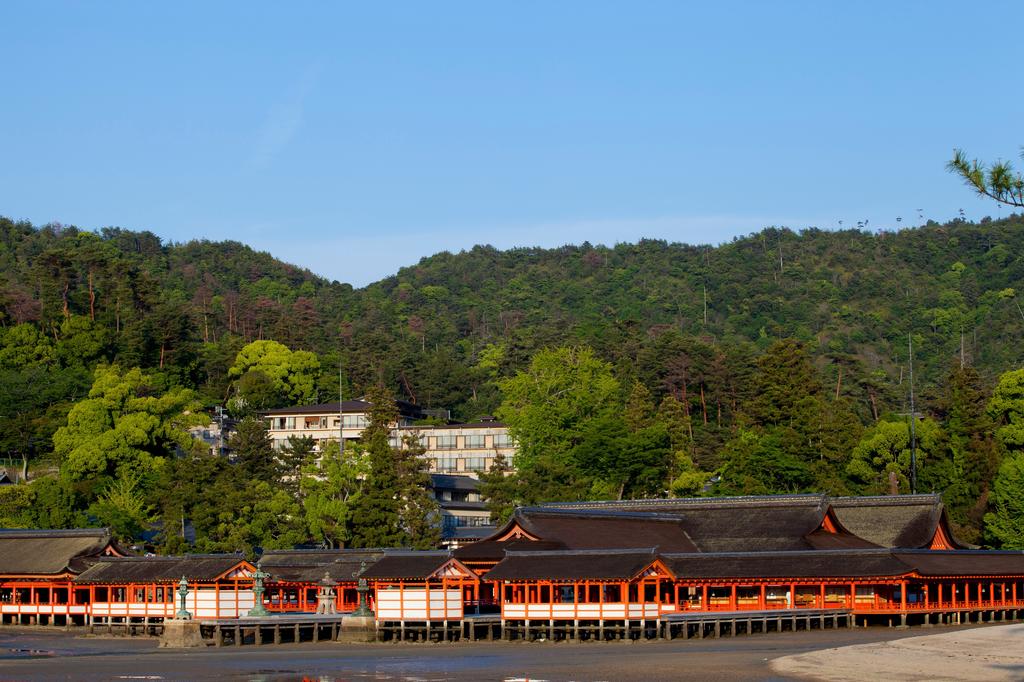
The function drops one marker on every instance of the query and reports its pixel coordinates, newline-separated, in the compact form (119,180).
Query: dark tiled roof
(343,565)
(469,532)
(462,505)
(727,524)
(410,565)
(203,567)
(454,482)
(605,529)
(669,505)
(572,565)
(731,524)
(903,521)
(494,550)
(789,522)
(468,425)
(348,406)
(822,539)
(738,528)
(798,564)
(50,552)
(964,562)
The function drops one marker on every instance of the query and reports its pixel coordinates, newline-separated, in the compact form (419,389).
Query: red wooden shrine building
(889,559)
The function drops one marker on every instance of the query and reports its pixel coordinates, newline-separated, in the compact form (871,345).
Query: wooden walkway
(702,624)
(277,629)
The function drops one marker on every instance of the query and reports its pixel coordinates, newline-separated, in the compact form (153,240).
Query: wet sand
(986,654)
(66,657)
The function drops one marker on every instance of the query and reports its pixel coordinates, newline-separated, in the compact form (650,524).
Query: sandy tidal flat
(980,654)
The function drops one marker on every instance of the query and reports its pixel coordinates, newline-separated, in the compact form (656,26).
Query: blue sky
(357,138)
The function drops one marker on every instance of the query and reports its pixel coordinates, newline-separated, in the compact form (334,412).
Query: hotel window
(447,464)
(476,463)
(475,441)
(282,423)
(502,440)
(446,442)
(355,421)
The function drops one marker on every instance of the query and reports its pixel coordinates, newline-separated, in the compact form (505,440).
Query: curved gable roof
(573,565)
(741,524)
(896,521)
(51,552)
(204,567)
(310,565)
(605,529)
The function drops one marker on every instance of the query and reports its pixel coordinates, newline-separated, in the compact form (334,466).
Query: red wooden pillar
(732,598)
(704,599)
(821,596)
(903,595)
(792,595)
(762,602)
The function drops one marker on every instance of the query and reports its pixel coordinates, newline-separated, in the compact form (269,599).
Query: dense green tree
(998,181)
(965,474)
(296,455)
(376,518)
(82,341)
(621,463)
(122,507)
(448,331)
(1004,525)
(254,451)
(784,382)
(394,508)
(121,430)
(294,373)
(24,346)
(757,464)
(1007,408)
(547,407)
(639,412)
(328,488)
(885,449)
(260,517)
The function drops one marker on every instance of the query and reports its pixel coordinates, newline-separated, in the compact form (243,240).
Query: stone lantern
(362,589)
(182,613)
(259,610)
(325,596)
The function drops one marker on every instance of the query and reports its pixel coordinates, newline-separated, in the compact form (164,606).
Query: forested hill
(851,296)
(779,360)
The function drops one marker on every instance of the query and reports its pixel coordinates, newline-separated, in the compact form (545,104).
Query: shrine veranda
(588,570)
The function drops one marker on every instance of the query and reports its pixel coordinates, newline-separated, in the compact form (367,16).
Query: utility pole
(913,418)
(705,304)
(219,417)
(341,412)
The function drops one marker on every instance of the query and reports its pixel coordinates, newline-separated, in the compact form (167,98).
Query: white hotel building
(450,448)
